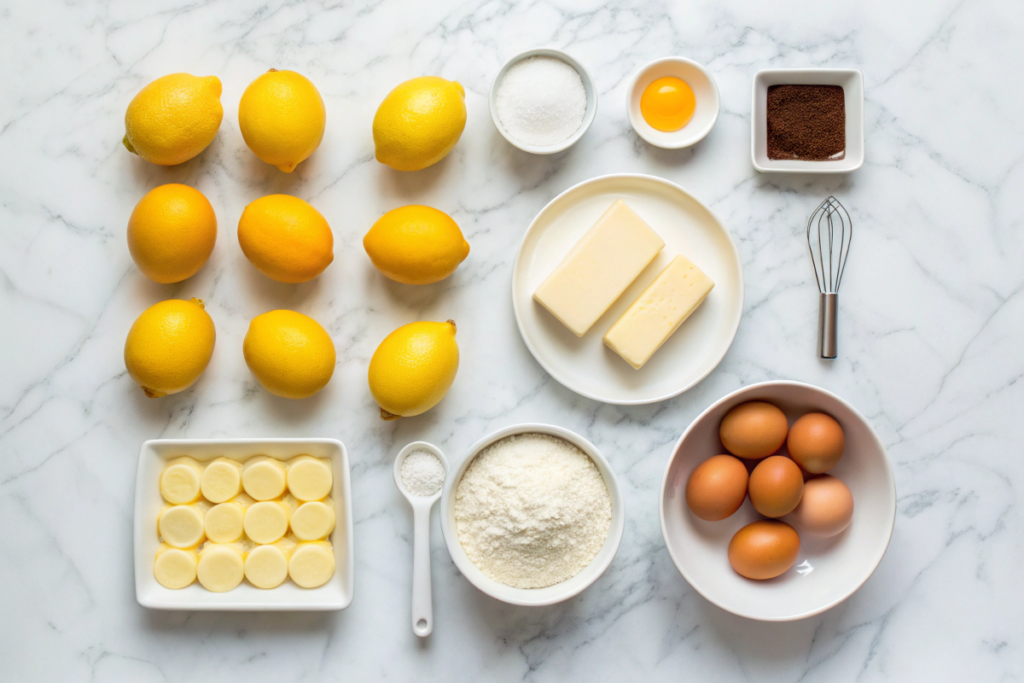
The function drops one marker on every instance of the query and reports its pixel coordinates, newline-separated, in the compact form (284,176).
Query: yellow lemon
(413,368)
(174,118)
(416,245)
(290,354)
(419,122)
(282,118)
(169,346)
(286,238)
(171,232)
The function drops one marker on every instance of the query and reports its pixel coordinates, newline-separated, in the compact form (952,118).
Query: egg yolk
(667,104)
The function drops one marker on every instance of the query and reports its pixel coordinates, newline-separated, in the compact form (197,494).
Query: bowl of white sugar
(533,514)
(543,101)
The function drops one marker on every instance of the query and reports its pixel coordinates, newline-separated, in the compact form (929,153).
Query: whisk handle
(828,309)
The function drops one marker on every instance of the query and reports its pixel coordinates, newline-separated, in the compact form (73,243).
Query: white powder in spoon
(541,101)
(422,473)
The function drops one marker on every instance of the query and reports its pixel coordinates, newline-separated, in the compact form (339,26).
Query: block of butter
(599,268)
(659,311)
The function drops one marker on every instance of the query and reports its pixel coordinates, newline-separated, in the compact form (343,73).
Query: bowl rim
(588,85)
(522,596)
(684,142)
(807,166)
(668,469)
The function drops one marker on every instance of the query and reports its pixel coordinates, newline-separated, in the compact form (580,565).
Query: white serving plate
(585,364)
(705,90)
(827,570)
(852,82)
(533,596)
(334,595)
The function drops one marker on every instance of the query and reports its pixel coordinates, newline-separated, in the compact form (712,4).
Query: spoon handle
(422,599)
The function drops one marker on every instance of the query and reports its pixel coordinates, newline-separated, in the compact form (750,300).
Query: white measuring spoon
(422,598)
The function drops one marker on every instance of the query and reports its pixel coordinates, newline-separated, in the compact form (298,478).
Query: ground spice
(806,122)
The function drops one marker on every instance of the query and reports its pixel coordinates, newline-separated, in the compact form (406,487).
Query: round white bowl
(533,596)
(588,116)
(705,91)
(827,570)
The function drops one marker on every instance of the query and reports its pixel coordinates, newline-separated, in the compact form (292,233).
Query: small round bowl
(827,570)
(588,116)
(704,90)
(533,596)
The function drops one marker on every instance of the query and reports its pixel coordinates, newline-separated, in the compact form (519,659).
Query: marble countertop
(931,325)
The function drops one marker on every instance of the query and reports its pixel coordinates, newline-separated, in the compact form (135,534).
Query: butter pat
(599,268)
(659,311)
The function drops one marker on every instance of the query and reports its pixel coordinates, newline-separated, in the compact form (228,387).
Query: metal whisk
(829,232)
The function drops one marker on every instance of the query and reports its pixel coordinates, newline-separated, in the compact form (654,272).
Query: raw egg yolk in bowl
(667,104)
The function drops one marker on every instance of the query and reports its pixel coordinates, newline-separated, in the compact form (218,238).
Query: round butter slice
(266,566)
(263,478)
(179,482)
(266,522)
(224,522)
(313,521)
(175,568)
(312,564)
(309,478)
(181,526)
(220,568)
(222,480)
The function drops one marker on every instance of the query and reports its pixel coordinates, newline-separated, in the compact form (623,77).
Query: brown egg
(816,442)
(753,430)
(716,488)
(826,508)
(776,485)
(764,549)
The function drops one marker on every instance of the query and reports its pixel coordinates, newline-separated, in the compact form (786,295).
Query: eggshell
(716,488)
(776,485)
(753,430)
(816,442)
(764,549)
(826,508)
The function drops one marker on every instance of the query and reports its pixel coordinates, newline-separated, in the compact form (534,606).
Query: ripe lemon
(290,354)
(419,122)
(169,346)
(416,245)
(413,368)
(286,238)
(282,118)
(174,118)
(171,232)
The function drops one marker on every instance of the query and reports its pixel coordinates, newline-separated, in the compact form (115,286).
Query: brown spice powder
(806,122)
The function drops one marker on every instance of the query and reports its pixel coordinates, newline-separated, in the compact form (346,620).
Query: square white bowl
(336,594)
(852,83)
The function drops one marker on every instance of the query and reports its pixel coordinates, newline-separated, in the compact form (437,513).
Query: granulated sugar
(422,473)
(541,101)
(532,510)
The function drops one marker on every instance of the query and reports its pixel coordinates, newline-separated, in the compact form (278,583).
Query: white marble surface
(932,321)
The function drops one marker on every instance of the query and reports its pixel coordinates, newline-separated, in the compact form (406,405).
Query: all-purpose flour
(532,510)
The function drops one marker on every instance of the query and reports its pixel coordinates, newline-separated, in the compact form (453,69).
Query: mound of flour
(532,510)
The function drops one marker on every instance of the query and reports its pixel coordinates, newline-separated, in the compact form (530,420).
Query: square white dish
(336,594)
(852,82)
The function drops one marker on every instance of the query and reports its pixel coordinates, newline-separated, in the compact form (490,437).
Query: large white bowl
(334,595)
(533,596)
(827,571)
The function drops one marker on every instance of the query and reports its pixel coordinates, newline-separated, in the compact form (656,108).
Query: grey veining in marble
(932,323)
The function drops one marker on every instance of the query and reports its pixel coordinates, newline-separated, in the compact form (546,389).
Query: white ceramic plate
(533,596)
(334,595)
(827,571)
(585,364)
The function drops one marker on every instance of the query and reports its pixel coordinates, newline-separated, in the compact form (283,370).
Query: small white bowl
(336,594)
(588,116)
(827,570)
(533,596)
(852,82)
(705,90)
